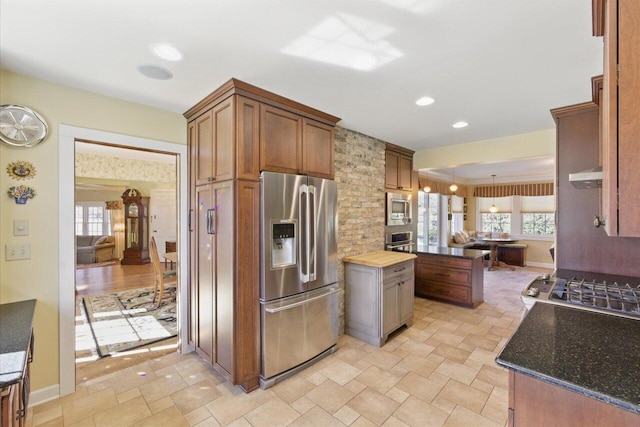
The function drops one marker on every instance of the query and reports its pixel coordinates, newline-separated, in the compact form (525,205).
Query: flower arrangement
(21,192)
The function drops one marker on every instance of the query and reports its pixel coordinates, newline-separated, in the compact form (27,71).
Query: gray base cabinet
(378,300)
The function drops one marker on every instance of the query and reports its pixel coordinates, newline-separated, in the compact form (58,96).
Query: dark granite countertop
(16,321)
(590,353)
(453,252)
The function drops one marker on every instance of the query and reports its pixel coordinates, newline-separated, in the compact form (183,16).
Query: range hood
(590,178)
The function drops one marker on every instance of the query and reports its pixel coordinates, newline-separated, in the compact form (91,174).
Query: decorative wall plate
(21,170)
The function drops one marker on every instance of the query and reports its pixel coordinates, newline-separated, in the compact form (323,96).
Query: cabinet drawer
(446,275)
(443,291)
(445,261)
(398,270)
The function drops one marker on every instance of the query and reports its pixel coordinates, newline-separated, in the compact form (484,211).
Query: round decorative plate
(21,170)
(21,126)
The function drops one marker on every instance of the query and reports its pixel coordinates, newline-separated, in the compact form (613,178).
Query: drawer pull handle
(399,269)
(442,274)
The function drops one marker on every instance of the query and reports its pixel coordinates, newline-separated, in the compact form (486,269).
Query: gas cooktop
(618,295)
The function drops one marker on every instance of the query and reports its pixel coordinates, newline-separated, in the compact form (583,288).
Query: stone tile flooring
(441,371)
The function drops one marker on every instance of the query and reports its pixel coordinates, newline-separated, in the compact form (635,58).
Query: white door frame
(66,246)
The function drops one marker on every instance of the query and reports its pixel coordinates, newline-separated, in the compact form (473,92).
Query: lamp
(426,188)
(493,208)
(453,187)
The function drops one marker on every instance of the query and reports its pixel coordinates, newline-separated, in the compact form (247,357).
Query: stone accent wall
(360,175)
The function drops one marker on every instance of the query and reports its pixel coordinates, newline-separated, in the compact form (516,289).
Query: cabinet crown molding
(237,87)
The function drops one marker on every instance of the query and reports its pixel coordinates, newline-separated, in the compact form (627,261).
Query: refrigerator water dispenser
(283,245)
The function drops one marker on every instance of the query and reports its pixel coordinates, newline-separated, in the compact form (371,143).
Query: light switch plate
(20,227)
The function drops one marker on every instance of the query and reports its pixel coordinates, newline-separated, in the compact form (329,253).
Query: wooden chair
(162,277)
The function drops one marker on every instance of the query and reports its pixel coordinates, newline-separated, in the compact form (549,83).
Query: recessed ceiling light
(459,125)
(166,51)
(425,100)
(155,72)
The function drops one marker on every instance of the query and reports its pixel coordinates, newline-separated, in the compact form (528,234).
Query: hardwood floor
(99,281)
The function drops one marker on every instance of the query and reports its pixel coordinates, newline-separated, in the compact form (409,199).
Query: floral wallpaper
(96,166)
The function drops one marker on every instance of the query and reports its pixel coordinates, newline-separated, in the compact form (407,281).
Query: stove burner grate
(612,297)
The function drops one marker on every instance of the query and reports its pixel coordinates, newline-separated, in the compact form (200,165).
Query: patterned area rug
(122,321)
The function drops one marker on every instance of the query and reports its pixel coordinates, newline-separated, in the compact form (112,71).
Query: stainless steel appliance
(299,273)
(398,208)
(617,295)
(401,241)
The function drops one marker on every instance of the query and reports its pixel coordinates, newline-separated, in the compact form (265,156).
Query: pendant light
(453,187)
(426,188)
(493,208)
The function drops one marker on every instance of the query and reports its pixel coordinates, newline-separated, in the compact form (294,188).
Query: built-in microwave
(398,209)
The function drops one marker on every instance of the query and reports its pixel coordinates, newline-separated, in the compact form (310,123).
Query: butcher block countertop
(380,259)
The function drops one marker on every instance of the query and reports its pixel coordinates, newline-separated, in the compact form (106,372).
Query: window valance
(505,190)
(441,187)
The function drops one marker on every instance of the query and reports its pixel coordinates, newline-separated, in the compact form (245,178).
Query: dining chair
(162,277)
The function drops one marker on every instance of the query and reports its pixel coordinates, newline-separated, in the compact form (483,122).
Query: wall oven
(398,209)
(399,242)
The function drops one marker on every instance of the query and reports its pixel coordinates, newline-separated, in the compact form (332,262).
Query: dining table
(172,257)
(493,243)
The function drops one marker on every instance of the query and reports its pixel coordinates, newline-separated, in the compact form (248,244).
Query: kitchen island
(453,275)
(378,294)
(570,366)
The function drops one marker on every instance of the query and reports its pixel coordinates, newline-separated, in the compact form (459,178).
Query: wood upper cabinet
(280,140)
(214,143)
(248,138)
(620,104)
(317,149)
(290,143)
(399,168)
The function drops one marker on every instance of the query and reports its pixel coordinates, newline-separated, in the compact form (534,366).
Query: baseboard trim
(43,395)
(540,264)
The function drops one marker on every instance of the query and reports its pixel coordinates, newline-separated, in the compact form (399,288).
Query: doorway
(119,322)
(66,162)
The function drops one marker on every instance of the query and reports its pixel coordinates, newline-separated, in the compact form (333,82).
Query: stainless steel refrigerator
(299,273)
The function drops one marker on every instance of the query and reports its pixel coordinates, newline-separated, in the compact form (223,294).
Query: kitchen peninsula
(562,359)
(453,275)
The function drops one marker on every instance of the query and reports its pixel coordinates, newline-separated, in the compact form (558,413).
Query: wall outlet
(17,251)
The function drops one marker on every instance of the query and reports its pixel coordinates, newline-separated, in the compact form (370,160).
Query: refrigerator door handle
(299,303)
(303,247)
(313,232)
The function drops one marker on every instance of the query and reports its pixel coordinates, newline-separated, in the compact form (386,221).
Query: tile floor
(441,371)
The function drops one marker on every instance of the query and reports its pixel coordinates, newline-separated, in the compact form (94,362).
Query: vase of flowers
(21,193)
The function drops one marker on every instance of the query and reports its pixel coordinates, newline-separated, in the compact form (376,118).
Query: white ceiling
(500,65)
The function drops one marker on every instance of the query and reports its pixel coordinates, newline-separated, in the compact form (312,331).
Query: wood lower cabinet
(450,279)
(398,168)
(533,402)
(225,281)
(513,254)
(378,300)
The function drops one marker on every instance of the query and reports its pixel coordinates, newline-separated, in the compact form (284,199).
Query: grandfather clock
(136,228)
